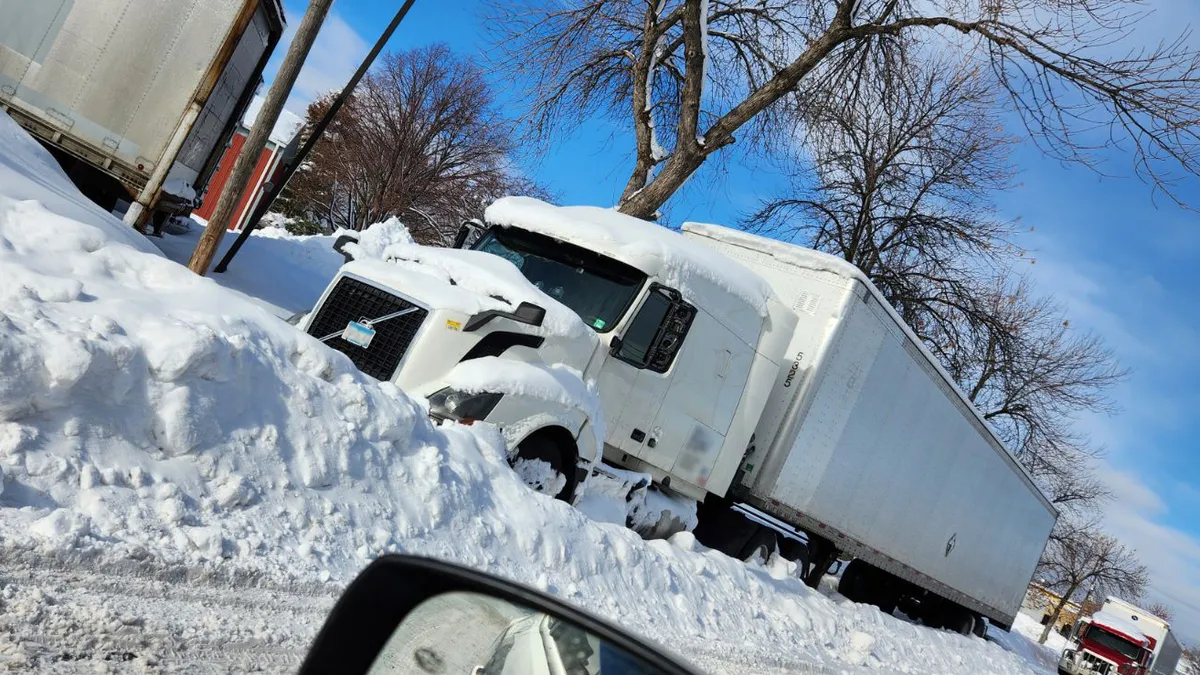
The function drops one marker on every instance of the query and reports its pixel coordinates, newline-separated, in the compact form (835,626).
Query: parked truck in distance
(135,98)
(1121,639)
(768,393)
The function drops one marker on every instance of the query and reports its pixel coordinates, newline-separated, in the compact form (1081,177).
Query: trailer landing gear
(822,554)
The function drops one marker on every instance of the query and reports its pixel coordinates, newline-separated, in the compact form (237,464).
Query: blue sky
(1120,264)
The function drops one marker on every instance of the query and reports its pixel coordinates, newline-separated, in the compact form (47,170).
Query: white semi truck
(137,99)
(1121,639)
(769,384)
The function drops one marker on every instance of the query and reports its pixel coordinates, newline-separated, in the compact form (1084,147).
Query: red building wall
(221,175)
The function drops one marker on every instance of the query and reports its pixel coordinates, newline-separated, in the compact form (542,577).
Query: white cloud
(1150,329)
(1173,557)
(334,57)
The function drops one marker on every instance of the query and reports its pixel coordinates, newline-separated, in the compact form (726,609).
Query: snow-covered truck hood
(464,281)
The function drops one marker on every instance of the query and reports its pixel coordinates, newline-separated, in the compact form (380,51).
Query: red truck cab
(1106,648)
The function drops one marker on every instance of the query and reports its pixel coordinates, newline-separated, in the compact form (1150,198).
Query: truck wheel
(796,552)
(721,528)
(761,545)
(980,627)
(853,584)
(959,620)
(542,465)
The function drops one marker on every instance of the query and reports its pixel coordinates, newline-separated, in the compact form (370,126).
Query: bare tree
(1081,559)
(422,139)
(1162,611)
(1030,379)
(898,181)
(694,75)
(1192,656)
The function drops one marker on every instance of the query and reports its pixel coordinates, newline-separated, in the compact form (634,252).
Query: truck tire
(761,545)
(543,447)
(981,627)
(721,528)
(853,584)
(958,619)
(796,552)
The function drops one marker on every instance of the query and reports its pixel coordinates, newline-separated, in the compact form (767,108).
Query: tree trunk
(1062,602)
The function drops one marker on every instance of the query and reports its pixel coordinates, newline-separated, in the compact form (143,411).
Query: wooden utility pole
(235,185)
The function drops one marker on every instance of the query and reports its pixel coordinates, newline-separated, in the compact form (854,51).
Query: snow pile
(149,414)
(678,261)
(281,271)
(557,384)
(1023,641)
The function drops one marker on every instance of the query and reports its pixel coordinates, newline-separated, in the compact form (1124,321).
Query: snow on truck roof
(652,248)
(807,258)
(1121,625)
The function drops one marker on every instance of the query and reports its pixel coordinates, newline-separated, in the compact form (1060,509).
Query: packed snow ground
(158,428)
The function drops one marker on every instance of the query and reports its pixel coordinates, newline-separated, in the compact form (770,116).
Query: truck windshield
(597,288)
(1102,637)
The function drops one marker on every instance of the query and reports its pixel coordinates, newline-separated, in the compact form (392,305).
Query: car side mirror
(405,614)
(339,245)
(465,231)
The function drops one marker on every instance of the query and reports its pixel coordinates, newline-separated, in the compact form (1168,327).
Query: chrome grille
(1097,664)
(352,300)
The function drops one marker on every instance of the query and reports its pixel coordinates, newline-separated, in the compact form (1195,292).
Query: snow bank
(283,272)
(683,262)
(556,383)
(1022,641)
(146,413)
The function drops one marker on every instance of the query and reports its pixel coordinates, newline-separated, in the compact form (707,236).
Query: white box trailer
(867,442)
(131,93)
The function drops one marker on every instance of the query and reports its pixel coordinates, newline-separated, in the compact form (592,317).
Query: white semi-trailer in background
(771,385)
(1121,639)
(137,99)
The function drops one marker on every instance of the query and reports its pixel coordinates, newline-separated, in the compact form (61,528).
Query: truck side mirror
(465,231)
(339,245)
(530,313)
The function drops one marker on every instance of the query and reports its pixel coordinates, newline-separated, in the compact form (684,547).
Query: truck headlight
(462,407)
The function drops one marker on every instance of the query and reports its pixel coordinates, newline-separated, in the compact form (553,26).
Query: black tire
(981,627)
(958,620)
(796,552)
(542,447)
(721,528)
(853,584)
(761,544)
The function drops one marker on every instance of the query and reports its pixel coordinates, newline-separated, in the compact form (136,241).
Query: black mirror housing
(464,232)
(339,245)
(530,313)
(362,623)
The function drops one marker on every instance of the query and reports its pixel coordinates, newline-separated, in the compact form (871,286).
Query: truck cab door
(635,376)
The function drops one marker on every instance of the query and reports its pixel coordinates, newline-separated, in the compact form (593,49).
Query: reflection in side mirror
(483,635)
(339,245)
(406,615)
